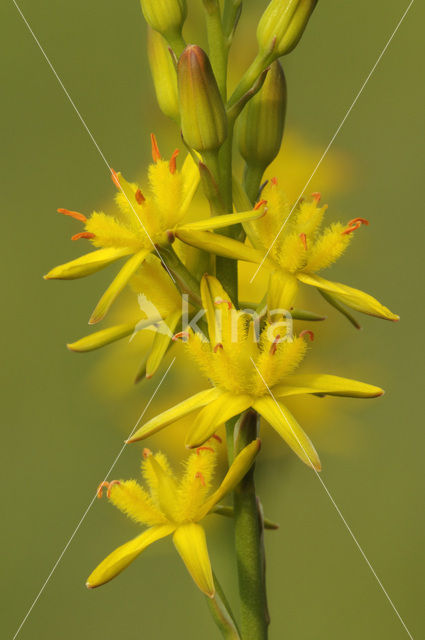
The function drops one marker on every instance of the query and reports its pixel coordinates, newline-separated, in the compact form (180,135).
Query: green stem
(217,45)
(252,181)
(249,548)
(177,43)
(251,75)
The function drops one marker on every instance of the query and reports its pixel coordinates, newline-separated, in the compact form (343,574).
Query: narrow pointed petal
(119,559)
(189,540)
(101,338)
(221,246)
(353,298)
(327,384)
(161,343)
(226,406)
(282,420)
(116,286)
(171,415)
(87,264)
(238,469)
(339,307)
(226,220)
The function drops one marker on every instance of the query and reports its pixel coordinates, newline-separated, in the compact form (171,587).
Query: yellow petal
(119,559)
(282,420)
(190,542)
(221,245)
(214,414)
(101,338)
(283,288)
(354,298)
(236,472)
(160,344)
(330,385)
(226,220)
(87,264)
(171,415)
(117,285)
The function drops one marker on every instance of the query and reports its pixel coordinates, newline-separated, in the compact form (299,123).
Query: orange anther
(204,449)
(180,334)
(354,224)
(146,453)
(217,347)
(111,484)
(260,204)
(308,333)
(304,240)
(99,491)
(115,179)
(273,348)
(173,159)
(316,196)
(140,198)
(201,478)
(218,301)
(216,437)
(155,151)
(274,181)
(83,234)
(74,214)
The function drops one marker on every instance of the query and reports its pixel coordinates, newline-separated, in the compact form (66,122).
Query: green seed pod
(261,124)
(202,112)
(164,75)
(165,16)
(282,25)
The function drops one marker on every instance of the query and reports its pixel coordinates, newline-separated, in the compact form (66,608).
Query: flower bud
(282,25)
(202,112)
(165,16)
(261,123)
(163,74)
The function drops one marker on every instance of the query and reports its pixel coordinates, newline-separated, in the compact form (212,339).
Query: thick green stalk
(249,544)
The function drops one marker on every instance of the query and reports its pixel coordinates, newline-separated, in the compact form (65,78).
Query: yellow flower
(244,371)
(172,507)
(160,310)
(294,248)
(140,225)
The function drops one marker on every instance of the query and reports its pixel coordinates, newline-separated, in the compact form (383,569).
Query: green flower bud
(164,75)
(261,124)
(165,16)
(202,112)
(282,25)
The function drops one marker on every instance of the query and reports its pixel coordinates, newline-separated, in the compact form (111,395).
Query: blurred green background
(62,423)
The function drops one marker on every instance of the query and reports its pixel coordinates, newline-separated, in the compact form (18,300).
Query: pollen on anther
(260,204)
(316,196)
(273,348)
(115,179)
(83,234)
(308,333)
(274,181)
(99,491)
(217,347)
(140,198)
(180,334)
(354,224)
(146,453)
(73,214)
(111,484)
(304,240)
(155,151)
(204,449)
(173,164)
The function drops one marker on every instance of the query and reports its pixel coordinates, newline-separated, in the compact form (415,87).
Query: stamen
(273,348)
(216,437)
(354,224)
(155,151)
(304,240)
(307,332)
(115,179)
(140,198)
(218,301)
(146,453)
(83,234)
(259,204)
(170,236)
(99,491)
(204,449)
(173,159)
(201,477)
(217,347)
(180,334)
(274,181)
(316,196)
(73,214)
(111,484)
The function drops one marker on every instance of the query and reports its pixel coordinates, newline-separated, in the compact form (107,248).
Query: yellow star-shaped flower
(172,507)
